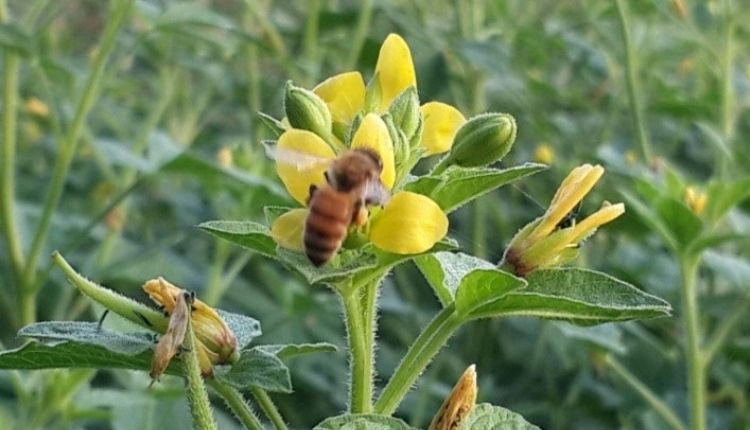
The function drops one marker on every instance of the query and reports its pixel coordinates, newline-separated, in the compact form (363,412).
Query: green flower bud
(405,112)
(306,111)
(481,141)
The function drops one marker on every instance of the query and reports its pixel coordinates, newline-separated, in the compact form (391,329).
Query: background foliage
(174,139)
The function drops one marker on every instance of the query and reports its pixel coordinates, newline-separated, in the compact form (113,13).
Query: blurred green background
(175,140)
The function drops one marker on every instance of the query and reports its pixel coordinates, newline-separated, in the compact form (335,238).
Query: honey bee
(170,343)
(352,184)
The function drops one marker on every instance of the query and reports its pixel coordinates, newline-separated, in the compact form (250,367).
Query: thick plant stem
(419,356)
(238,405)
(695,362)
(361,360)
(7,170)
(661,408)
(200,406)
(121,9)
(631,76)
(269,408)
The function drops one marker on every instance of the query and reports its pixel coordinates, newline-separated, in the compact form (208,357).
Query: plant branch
(631,76)
(416,360)
(238,405)
(661,408)
(200,406)
(121,10)
(7,169)
(695,364)
(269,408)
(361,363)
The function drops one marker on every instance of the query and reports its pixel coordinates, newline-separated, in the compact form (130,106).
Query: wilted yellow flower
(544,154)
(458,404)
(696,200)
(216,342)
(548,241)
(37,107)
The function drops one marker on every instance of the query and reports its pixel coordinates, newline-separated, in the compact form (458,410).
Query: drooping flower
(548,241)
(458,404)
(216,341)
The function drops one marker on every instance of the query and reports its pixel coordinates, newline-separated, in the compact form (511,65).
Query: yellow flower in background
(37,107)
(544,154)
(549,240)
(696,200)
(216,341)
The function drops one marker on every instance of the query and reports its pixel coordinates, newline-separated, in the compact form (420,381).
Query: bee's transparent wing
(299,160)
(376,193)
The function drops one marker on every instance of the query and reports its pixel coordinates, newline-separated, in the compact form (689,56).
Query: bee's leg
(101,320)
(359,213)
(313,188)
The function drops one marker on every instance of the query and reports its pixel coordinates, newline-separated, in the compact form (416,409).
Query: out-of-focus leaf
(486,416)
(13,37)
(363,422)
(723,196)
(580,296)
(247,234)
(256,368)
(273,124)
(607,336)
(460,185)
(191,14)
(735,269)
(683,223)
(288,351)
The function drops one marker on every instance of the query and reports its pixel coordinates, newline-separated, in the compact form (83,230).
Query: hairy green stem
(269,408)
(658,405)
(419,356)
(7,169)
(197,396)
(631,77)
(238,405)
(696,375)
(121,9)
(360,33)
(361,360)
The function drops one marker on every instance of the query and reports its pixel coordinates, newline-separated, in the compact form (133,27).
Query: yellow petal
(409,224)
(344,94)
(373,134)
(604,215)
(394,69)
(441,122)
(288,229)
(298,173)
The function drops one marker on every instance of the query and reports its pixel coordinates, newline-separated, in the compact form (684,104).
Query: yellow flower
(548,241)
(441,122)
(216,342)
(344,94)
(544,154)
(696,200)
(409,223)
(37,107)
(394,70)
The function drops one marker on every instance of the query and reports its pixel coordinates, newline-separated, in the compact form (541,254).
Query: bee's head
(354,169)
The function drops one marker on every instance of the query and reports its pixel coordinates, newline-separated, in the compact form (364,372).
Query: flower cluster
(343,113)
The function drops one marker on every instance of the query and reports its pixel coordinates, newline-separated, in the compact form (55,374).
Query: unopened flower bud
(306,111)
(405,112)
(481,141)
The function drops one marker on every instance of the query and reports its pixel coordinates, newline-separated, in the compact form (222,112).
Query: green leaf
(88,333)
(273,124)
(723,196)
(256,368)
(288,351)
(457,185)
(363,422)
(486,416)
(607,336)
(683,223)
(347,264)
(35,355)
(471,281)
(245,328)
(13,37)
(247,234)
(577,295)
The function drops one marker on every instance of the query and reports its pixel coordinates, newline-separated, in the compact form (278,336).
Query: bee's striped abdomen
(326,224)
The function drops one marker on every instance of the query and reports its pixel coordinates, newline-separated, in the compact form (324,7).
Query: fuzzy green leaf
(460,185)
(256,368)
(35,355)
(363,422)
(580,296)
(288,351)
(347,264)
(486,416)
(247,234)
